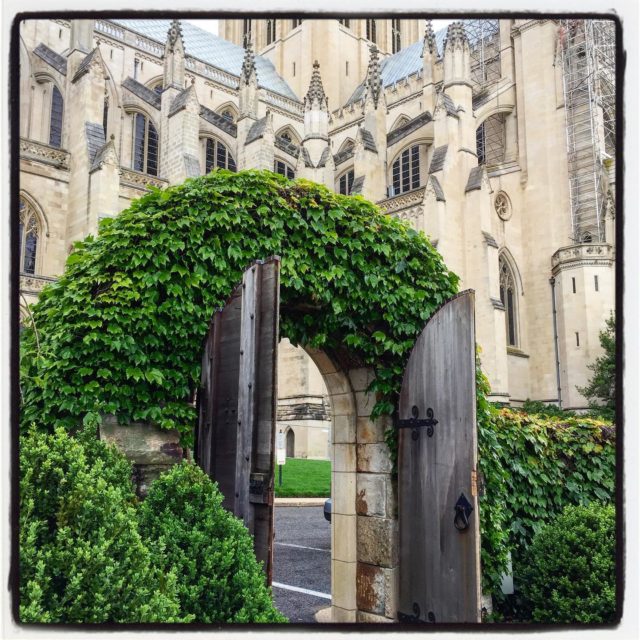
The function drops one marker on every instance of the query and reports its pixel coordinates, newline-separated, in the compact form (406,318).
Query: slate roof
(257,130)
(341,156)
(326,152)
(437,188)
(357,185)
(409,127)
(286,146)
(219,121)
(475,179)
(100,155)
(449,106)
(83,67)
(437,160)
(144,93)
(489,239)
(94,134)
(406,62)
(180,101)
(306,157)
(368,141)
(212,50)
(58,62)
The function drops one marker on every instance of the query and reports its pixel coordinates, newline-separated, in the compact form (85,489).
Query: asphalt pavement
(302,562)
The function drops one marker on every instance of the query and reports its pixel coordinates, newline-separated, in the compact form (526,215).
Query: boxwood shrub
(569,570)
(210,550)
(81,556)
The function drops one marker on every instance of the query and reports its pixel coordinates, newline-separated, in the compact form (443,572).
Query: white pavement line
(288,587)
(299,546)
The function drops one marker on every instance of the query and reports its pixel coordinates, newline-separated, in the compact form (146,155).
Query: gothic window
(271,31)
(283,169)
(490,140)
(145,145)
(246,32)
(286,136)
(406,171)
(105,116)
(345,182)
(396,35)
(157,87)
(371,30)
(55,120)
(509,300)
(29,232)
(218,156)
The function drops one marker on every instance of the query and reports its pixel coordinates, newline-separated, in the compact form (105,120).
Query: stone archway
(290,443)
(364,557)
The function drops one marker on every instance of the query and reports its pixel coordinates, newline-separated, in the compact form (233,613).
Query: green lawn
(304,478)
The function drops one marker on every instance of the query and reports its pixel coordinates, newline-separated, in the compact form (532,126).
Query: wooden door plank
(439,565)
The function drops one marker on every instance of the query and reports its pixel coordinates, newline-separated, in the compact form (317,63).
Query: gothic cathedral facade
(496,138)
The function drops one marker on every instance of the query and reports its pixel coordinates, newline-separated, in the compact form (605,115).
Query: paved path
(302,562)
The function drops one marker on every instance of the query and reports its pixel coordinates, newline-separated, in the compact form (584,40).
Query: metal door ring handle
(461,515)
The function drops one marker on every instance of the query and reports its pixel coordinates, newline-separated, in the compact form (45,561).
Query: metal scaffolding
(588,61)
(484,44)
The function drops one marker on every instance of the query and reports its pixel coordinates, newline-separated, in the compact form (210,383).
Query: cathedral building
(496,138)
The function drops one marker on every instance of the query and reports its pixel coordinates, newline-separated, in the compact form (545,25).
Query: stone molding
(40,152)
(403,201)
(33,283)
(579,255)
(139,180)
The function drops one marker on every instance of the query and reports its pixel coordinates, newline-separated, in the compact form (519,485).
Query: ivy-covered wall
(121,331)
(533,466)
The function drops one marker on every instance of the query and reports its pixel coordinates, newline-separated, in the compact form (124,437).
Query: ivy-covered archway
(121,330)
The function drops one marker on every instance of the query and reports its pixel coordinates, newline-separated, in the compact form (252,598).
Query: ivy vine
(121,331)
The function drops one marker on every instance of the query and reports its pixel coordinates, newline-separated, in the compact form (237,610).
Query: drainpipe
(552,282)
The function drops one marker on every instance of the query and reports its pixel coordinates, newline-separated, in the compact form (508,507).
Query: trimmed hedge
(569,573)
(210,550)
(81,556)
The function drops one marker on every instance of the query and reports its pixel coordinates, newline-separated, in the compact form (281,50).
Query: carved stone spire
(248,65)
(456,36)
(173,35)
(429,40)
(374,79)
(316,97)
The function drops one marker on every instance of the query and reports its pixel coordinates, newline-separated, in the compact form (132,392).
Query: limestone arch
(228,107)
(400,121)
(291,132)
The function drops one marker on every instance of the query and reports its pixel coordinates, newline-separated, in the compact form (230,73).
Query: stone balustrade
(131,178)
(32,283)
(402,201)
(41,152)
(581,254)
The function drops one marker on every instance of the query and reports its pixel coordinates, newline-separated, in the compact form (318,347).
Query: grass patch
(302,478)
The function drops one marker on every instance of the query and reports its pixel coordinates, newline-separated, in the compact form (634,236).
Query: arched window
(345,182)
(371,30)
(284,169)
(271,31)
(29,232)
(286,136)
(246,32)
(55,120)
(291,444)
(490,140)
(396,35)
(406,171)
(145,145)
(508,298)
(218,156)
(227,114)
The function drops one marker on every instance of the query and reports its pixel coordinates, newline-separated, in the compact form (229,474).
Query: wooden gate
(235,438)
(438,506)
